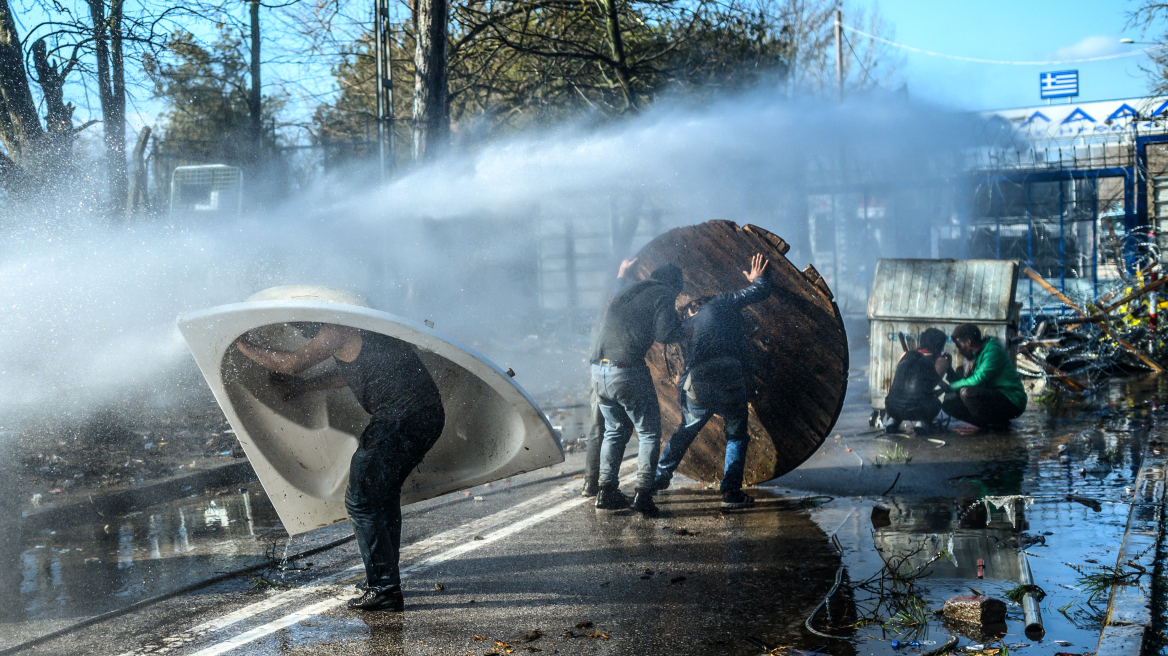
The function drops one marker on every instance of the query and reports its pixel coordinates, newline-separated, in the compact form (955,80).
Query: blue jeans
(627,399)
(732,407)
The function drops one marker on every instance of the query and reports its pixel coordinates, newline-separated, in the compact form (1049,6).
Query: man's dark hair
(933,340)
(307,328)
(670,274)
(967,331)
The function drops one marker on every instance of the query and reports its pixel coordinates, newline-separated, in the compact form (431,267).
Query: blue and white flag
(1058,84)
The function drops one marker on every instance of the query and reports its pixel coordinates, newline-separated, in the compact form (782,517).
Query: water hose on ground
(839,573)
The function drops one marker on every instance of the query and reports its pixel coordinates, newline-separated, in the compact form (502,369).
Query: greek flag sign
(1058,84)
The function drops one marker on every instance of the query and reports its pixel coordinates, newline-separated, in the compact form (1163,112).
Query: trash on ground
(975,609)
(1102,340)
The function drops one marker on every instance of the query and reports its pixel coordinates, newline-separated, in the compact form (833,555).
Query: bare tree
(431,121)
(34,156)
(108,39)
(1149,16)
(96,39)
(867,64)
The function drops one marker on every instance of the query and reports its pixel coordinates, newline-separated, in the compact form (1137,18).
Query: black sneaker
(736,499)
(590,489)
(390,600)
(661,484)
(609,497)
(643,503)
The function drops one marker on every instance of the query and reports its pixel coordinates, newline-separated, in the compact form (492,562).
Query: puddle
(56,577)
(1090,455)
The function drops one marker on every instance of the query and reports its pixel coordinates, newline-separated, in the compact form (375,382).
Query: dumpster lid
(974,291)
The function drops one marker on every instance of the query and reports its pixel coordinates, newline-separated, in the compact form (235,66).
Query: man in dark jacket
(640,313)
(407,418)
(595,434)
(714,382)
(916,384)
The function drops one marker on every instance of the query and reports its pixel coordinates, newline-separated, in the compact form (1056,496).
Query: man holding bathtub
(391,384)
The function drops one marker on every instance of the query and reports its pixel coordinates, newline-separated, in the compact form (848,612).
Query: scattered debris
(532,636)
(1106,339)
(815,501)
(584,625)
(595,634)
(975,609)
(677,579)
(1016,593)
(439,586)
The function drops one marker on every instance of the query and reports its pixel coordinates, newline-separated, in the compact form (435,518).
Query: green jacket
(993,368)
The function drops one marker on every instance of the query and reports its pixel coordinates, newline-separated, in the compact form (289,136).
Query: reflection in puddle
(94,568)
(1074,473)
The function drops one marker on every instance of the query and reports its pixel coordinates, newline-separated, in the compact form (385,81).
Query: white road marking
(329,604)
(270,627)
(463,535)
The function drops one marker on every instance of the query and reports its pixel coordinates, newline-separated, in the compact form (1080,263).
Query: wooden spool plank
(799,352)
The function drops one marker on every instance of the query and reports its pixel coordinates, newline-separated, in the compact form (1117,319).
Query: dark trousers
(388,451)
(912,409)
(981,406)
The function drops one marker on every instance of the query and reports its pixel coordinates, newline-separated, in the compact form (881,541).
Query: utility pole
(382,39)
(255,101)
(839,56)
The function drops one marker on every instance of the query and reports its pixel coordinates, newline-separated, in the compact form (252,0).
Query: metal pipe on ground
(1033,629)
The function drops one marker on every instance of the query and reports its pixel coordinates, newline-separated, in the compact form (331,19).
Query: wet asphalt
(527,565)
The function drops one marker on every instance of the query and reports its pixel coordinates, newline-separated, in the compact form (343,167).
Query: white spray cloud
(89,311)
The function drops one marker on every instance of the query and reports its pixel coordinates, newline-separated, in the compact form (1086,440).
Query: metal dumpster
(909,296)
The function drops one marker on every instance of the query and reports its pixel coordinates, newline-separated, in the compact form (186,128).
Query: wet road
(535,560)
(527,565)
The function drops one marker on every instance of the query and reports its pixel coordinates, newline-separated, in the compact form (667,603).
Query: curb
(125,501)
(1128,622)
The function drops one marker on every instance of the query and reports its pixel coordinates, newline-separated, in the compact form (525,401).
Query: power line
(860,62)
(999,61)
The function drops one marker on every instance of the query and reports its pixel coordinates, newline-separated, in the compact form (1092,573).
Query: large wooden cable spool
(799,352)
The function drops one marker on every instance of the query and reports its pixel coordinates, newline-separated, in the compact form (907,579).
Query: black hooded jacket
(640,313)
(719,329)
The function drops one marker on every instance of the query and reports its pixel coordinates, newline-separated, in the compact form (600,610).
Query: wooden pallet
(799,353)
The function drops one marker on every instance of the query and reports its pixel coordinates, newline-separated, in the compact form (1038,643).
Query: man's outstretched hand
(757,266)
(625,266)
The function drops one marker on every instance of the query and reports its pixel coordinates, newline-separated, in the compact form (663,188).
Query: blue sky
(1019,30)
(1016,30)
